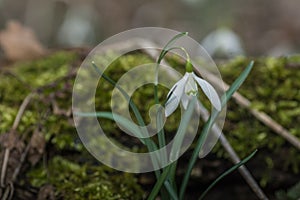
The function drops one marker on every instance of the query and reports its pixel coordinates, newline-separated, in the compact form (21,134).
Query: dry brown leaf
(16,147)
(20,43)
(11,140)
(37,147)
(46,192)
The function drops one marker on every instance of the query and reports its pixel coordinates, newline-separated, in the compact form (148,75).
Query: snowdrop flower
(187,87)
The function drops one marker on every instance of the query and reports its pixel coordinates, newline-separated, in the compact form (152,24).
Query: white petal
(209,91)
(185,100)
(175,95)
(191,87)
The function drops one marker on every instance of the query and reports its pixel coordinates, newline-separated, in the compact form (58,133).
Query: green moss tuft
(74,181)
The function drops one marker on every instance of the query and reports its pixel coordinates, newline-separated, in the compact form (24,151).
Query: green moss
(74,181)
(43,71)
(24,78)
(7,118)
(272,87)
(292,193)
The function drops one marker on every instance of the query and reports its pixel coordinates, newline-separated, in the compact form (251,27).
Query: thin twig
(21,111)
(13,129)
(22,159)
(8,192)
(233,156)
(4,166)
(12,190)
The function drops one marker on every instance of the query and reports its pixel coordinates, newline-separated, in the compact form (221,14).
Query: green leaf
(170,43)
(236,84)
(159,183)
(131,127)
(170,189)
(227,172)
(149,143)
(161,134)
(131,104)
(176,148)
(207,126)
(174,154)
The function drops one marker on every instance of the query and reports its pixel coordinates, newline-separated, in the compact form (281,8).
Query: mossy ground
(272,87)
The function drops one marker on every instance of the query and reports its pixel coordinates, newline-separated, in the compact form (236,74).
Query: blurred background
(225,28)
(31,28)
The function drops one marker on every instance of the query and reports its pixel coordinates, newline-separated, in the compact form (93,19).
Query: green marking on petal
(192,93)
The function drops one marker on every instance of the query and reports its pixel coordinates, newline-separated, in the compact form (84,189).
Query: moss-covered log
(272,87)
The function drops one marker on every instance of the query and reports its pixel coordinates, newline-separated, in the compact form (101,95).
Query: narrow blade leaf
(227,172)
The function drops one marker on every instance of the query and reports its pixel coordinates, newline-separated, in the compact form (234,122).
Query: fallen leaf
(46,192)
(37,147)
(11,142)
(20,43)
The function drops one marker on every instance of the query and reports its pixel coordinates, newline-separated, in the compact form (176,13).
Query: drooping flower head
(188,86)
